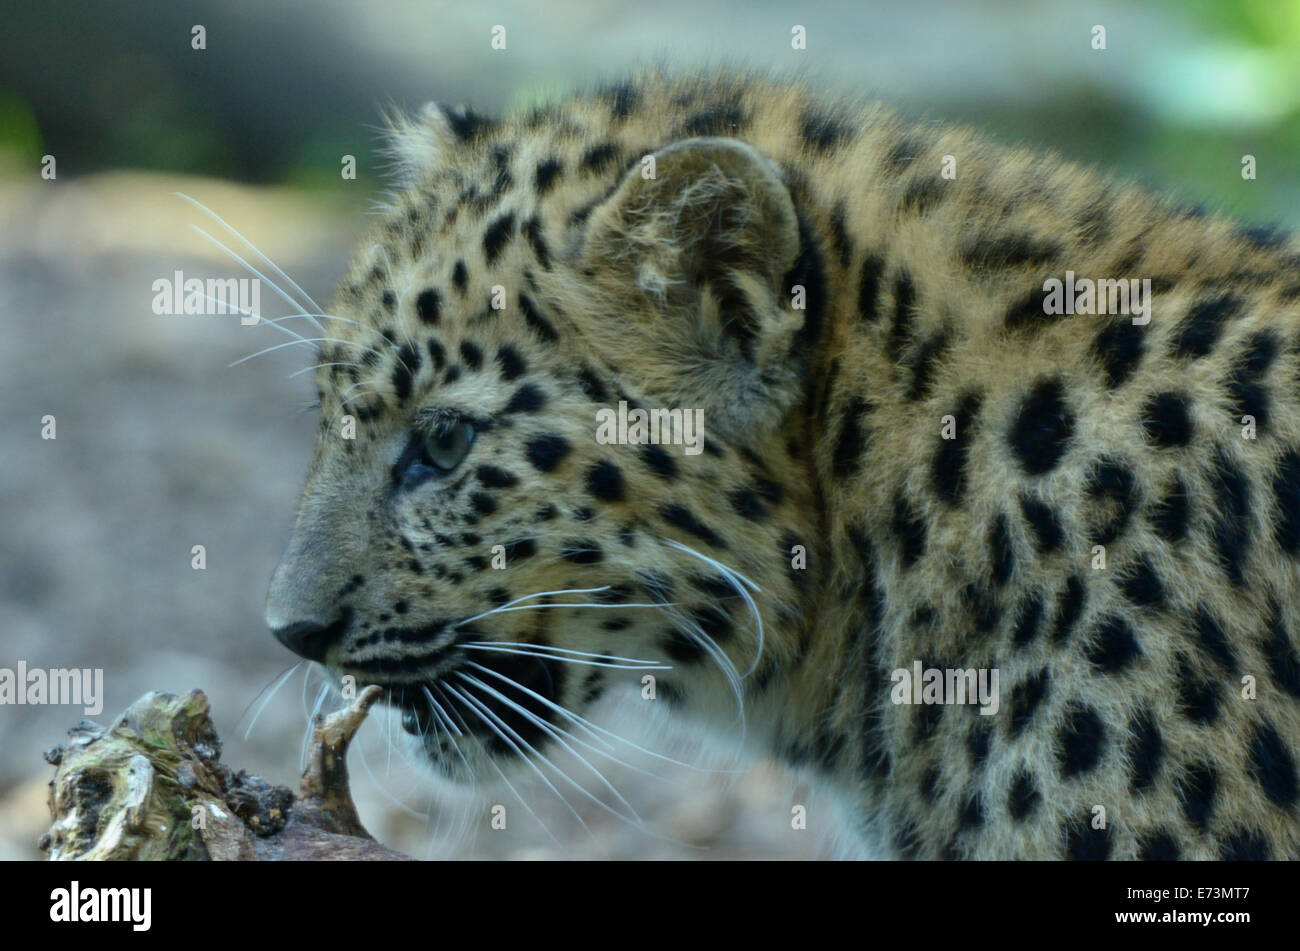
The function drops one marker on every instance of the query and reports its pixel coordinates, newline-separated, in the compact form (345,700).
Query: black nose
(311,639)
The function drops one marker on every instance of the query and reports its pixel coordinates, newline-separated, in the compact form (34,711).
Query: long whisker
(555,734)
(560,650)
(733,576)
(208,211)
(291,343)
(296,305)
(280,682)
(566,660)
(483,712)
(592,728)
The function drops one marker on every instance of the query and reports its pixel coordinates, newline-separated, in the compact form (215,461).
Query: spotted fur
(529,273)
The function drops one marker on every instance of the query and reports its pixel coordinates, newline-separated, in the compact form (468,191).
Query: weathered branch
(152,786)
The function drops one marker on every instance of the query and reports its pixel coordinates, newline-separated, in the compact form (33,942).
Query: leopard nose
(312,639)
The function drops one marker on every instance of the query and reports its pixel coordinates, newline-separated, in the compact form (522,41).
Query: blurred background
(161,447)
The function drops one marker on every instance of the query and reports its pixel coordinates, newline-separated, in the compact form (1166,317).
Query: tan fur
(676,292)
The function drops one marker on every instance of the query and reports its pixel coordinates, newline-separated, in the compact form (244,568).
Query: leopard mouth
(510,703)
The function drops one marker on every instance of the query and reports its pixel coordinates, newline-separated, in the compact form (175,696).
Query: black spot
(1029,313)
(840,234)
(869,288)
(1069,608)
(547,452)
(591,385)
(747,504)
(1146,749)
(1286,492)
(1043,428)
(823,132)
(717,120)
(984,608)
(905,151)
(437,353)
(1113,493)
(459,276)
(452,374)
(519,548)
(1283,659)
(1080,741)
(923,193)
(1024,796)
(529,398)
(1230,527)
(1166,420)
(465,123)
(401,380)
(927,358)
(1198,699)
(1083,843)
(851,442)
(1045,524)
(681,516)
(1007,251)
(659,460)
(1246,391)
(581,551)
(682,647)
(483,503)
(533,232)
(1158,846)
(1273,767)
(622,98)
(498,235)
(1245,846)
(548,170)
(599,157)
(1197,790)
(605,481)
(1025,698)
(533,317)
(1028,617)
(1201,328)
(471,354)
(978,741)
(1119,349)
(1001,553)
(512,363)
(910,529)
(1169,516)
(494,478)
(971,815)
(1213,640)
(427,305)
(948,474)
(904,302)
(1141,584)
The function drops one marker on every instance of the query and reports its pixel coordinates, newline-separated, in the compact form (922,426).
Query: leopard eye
(447,445)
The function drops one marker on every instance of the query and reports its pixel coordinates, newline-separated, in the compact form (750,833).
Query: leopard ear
(418,144)
(694,248)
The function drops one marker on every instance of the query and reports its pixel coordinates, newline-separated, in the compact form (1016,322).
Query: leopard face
(473,536)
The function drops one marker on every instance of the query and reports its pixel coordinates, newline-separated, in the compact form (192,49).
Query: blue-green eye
(446,445)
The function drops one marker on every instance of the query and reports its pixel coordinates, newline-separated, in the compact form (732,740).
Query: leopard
(914,471)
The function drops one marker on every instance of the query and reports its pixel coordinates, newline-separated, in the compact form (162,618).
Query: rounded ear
(692,251)
(693,211)
(417,143)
